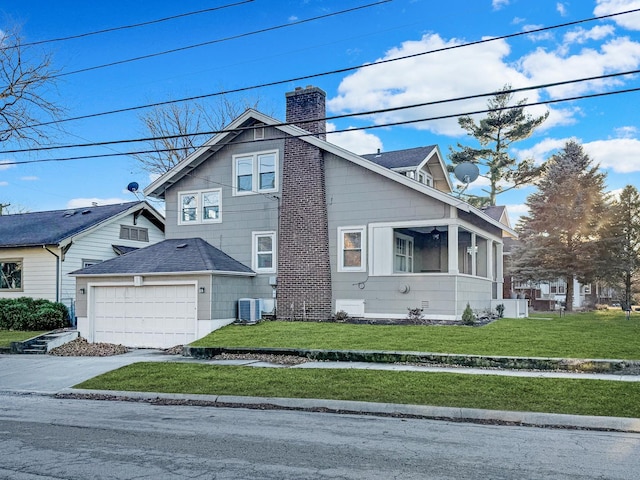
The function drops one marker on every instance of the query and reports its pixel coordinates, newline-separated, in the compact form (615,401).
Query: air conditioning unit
(249,310)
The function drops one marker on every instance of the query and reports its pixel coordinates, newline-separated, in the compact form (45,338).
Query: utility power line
(220,40)
(370,127)
(133,25)
(333,117)
(321,74)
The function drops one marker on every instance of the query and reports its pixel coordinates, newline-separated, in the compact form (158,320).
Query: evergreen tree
(560,236)
(495,133)
(620,249)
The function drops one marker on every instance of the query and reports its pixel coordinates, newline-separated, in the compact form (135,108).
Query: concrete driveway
(48,374)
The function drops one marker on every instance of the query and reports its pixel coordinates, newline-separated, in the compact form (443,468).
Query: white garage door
(156,316)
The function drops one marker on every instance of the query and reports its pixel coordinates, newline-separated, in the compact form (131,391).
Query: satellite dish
(466,172)
(133,187)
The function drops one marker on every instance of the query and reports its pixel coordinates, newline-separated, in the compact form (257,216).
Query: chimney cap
(307,90)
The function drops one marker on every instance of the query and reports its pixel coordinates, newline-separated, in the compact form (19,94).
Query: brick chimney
(304,269)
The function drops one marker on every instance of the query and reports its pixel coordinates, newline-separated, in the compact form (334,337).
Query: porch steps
(42,344)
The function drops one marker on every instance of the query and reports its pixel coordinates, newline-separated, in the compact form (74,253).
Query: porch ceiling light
(435,234)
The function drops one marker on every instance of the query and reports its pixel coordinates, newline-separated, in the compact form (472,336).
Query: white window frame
(255,236)
(408,256)
(255,172)
(362,230)
(20,263)
(199,200)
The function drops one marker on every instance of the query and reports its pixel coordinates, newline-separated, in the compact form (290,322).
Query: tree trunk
(569,295)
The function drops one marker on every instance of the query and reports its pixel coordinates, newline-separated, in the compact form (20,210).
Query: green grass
(579,397)
(6,337)
(585,335)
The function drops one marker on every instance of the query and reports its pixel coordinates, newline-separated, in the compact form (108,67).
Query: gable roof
(188,255)
(410,157)
(251,117)
(58,227)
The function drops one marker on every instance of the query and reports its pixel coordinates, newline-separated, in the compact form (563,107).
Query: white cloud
(626,132)
(515,211)
(615,194)
(4,184)
(622,155)
(581,35)
(30,179)
(356,141)
(87,202)
(498,4)
(450,73)
(561,8)
(542,66)
(541,151)
(6,164)
(432,77)
(630,20)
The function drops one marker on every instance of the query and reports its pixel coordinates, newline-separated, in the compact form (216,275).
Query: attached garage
(159,316)
(167,294)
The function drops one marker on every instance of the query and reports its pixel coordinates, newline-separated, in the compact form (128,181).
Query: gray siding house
(315,229)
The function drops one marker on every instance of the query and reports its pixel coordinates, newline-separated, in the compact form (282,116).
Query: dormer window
(425,178)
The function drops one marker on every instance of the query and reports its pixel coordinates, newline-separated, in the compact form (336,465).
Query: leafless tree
(177,129)
(27,82)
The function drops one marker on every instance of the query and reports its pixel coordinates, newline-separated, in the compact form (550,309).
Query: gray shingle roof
(494,211)
(169,256)
(411,157)
(52,227)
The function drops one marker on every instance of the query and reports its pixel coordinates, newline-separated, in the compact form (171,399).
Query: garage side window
(11,274)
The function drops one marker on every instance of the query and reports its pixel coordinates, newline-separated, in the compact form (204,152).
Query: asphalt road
(47,438)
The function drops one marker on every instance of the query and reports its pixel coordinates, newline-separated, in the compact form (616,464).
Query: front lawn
(8,336)
(585,335)
(551,395)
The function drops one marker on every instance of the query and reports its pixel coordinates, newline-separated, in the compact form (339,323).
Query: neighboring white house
(39,249)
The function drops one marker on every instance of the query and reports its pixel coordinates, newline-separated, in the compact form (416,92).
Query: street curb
(547,420)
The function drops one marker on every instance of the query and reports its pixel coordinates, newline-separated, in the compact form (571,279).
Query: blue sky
(608,127)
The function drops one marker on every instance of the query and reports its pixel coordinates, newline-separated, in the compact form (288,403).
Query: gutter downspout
(57,271)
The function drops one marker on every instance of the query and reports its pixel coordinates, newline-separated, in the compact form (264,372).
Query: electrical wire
(220,40)
(329,118)
(369,127)
(317,75)
(134,25)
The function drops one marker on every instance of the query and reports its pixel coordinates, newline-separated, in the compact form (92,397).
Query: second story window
(203,206)
(255,173)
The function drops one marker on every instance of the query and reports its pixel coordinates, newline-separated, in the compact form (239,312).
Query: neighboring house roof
(411,157)
(188,255)
(251,117)
(58,227)
(499,213)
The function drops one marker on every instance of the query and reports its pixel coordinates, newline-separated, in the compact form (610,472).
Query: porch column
(474,255)
(453,249)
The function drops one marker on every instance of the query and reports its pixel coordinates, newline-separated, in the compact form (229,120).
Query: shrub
(468,318)
(415,315)
(341,316)
(500,310)
(25,313)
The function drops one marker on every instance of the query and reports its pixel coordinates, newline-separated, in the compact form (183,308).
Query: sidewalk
(50,375)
